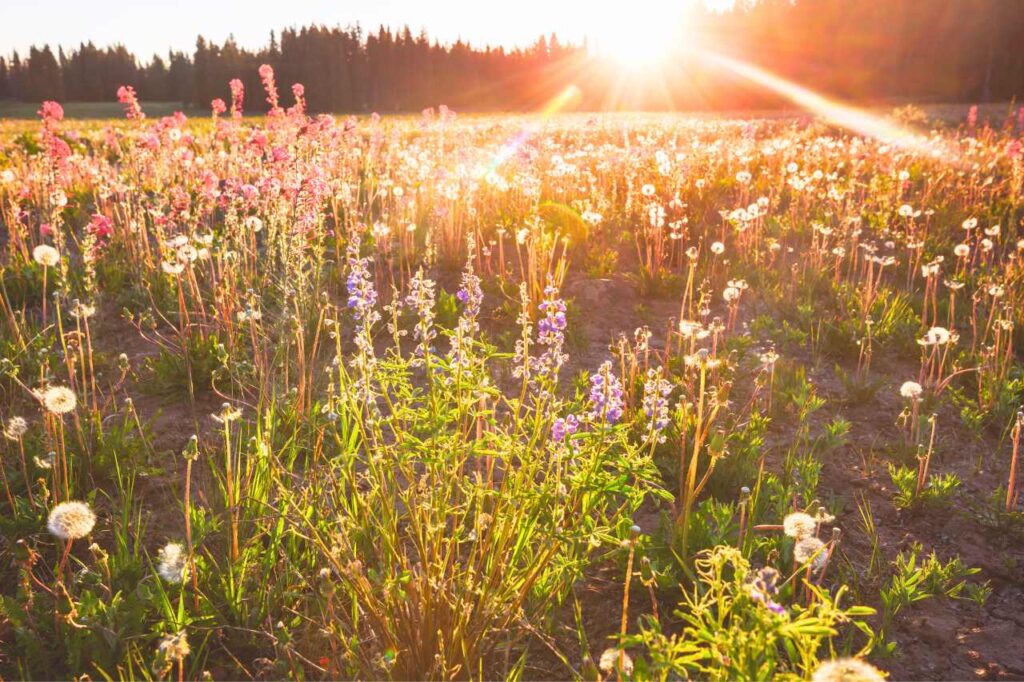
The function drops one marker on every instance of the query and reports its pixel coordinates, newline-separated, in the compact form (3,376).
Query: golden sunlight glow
(640,34)
(856,119)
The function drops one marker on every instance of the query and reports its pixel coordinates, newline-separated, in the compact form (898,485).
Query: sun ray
(852,118)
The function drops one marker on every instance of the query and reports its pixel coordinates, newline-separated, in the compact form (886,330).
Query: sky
(151,26)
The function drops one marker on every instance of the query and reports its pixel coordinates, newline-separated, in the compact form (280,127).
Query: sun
(638,34)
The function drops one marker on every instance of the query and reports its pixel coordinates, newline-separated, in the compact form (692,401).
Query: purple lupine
(763,589)
(521,360)
(362,296)
(605,395)
(421,299)
(471,297)
(469,293)
(655,402)
(551,333)
(563,427)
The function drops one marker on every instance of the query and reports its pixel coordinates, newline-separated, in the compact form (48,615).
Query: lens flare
(845,116)
(559,102)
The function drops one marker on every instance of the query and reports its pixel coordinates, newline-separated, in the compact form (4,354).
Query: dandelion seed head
(174,648)
(59,399)
(911,390)
(71,520)
(799,525)
(615,660)
(15,428)
(847,670)
(171,564)
(810,549)
(937,336)
(46,255)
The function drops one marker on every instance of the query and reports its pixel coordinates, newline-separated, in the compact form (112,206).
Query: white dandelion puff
(71,520)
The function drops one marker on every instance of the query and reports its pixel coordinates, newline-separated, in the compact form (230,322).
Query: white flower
(847,670)
(71,520)
(174,648)
(172,268)
(15,428)
(616,659)
(59,399)
(936,336)
(799,525)
(46,255)
(911,389)
(810,549)
(172,566)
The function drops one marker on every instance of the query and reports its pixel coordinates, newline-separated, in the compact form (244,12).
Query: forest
(863,50)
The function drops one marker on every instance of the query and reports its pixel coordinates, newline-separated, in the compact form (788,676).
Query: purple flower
(564,427)
(551,333)
(655,402)
(421,299)
(763,588)
(471,297)
(605,395)
(361,293)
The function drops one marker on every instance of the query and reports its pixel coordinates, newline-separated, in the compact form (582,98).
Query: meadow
(563,396)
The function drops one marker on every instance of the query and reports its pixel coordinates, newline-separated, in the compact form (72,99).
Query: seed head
(71,520)
(172,566)
(59,399)
(799,525)
(810,549)
(46,255)
(847,670)
(15,428)
(911,390)
(616,659)
(174,648)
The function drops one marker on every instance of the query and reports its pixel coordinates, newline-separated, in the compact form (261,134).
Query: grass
(88,110)
(288,397)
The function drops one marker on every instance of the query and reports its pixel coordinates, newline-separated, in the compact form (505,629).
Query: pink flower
(51,111)
(237,96)
(100,227)
(267,77)
(218,107)
(298,91)
(58,148)
(132,109)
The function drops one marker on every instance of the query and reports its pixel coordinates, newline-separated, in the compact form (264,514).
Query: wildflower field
(570,396)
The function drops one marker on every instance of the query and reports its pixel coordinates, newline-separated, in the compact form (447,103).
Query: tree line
(865,50)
